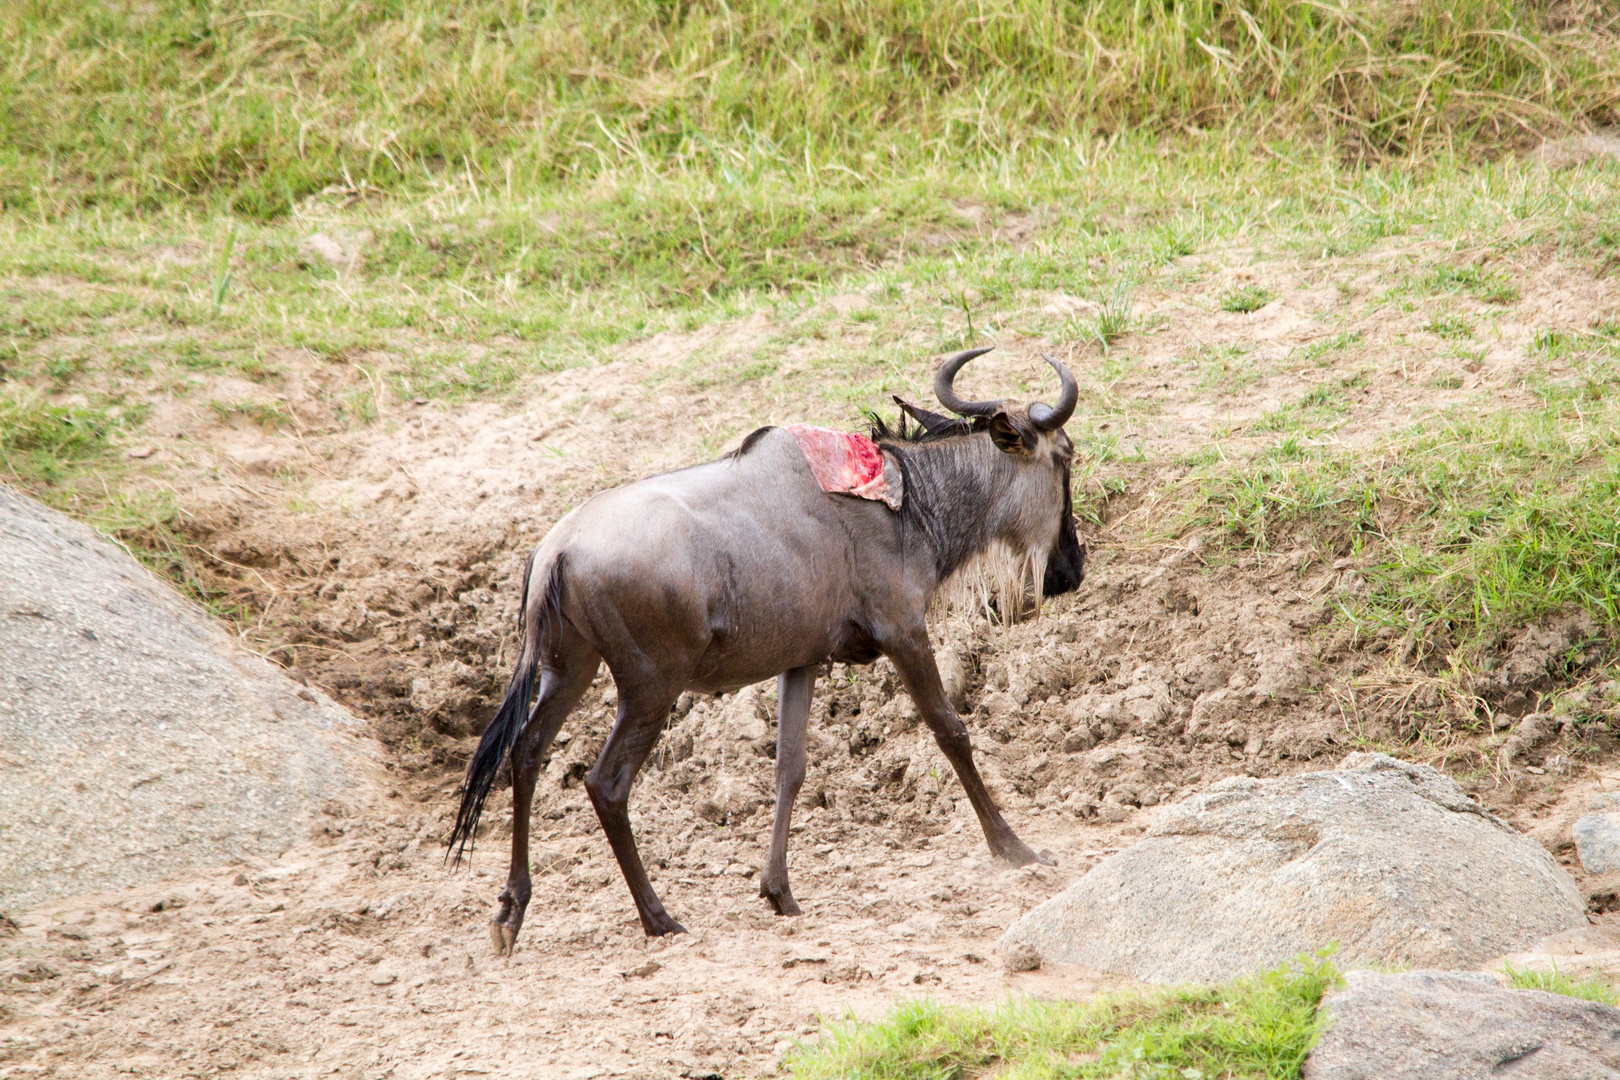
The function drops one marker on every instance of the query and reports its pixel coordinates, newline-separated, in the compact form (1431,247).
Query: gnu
(719,576)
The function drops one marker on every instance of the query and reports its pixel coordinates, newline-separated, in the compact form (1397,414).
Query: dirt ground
(381,563)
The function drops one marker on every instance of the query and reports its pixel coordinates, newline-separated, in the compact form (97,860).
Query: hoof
(504,938)
(782,902)
(663,926)
(1019,854)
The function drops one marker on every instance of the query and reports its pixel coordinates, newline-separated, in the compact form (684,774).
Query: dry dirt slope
(380,563)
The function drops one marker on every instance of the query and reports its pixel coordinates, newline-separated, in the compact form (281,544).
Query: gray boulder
(137,740)
(1597,835)
(1450,1025)
(1390,860)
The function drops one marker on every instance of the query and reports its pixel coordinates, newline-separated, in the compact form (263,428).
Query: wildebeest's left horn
(947,396)
(1044,416)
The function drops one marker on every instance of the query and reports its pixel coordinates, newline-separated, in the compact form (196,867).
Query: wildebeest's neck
(955,495)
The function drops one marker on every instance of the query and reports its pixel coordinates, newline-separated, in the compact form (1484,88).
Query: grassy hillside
(527,186)
(788,120)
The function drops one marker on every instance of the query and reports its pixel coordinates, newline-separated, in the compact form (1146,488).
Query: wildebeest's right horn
(947,397)
(1044,416)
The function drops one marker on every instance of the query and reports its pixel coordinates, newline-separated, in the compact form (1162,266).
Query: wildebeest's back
(746,556)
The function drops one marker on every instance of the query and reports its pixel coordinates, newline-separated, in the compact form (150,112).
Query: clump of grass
(269,415)
(1318,352)
(1590,988)
(1260,1027)
(1482,523)
(1491,287)
(1450,326)
(1317,405)
(1114,320)
(1551,343)
(1247,298)
(41,443)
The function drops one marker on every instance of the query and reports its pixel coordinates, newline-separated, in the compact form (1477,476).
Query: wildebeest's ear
(1008,436)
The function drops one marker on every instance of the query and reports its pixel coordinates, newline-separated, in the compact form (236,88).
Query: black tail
(513,715)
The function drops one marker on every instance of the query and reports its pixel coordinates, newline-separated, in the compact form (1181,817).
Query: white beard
(1010,578)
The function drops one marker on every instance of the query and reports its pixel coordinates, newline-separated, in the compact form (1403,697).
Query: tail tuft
(510,719)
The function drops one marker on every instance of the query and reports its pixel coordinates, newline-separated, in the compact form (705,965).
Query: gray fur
(729,573)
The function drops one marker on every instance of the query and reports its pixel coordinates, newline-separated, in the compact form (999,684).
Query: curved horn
(947,396)
(1044,416)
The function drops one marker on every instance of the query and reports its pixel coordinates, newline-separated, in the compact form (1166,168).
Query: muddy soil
(381,563)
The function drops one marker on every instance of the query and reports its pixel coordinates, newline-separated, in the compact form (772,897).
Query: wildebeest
(721,575)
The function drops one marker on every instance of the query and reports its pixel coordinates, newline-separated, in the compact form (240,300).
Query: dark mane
(748,443)
(940,495)
(928,427)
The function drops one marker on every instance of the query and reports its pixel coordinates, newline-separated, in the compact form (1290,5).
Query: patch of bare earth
(381,562)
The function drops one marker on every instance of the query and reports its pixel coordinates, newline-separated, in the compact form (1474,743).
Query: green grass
(1259,1027)
(1450,326)
(1316,407)
(1590,988)
(1246,298)
(256,106)
(1473,524)
(44,443)
(1321,352)
(1489,286)
(1113,321)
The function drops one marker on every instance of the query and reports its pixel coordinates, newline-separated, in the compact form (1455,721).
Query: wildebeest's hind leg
(793,690)
(914,659)
(643,710)
(564,678)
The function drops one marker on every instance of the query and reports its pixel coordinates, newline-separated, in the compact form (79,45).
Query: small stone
(1597,842)
(1020,956)
(323,247)
(1079,740)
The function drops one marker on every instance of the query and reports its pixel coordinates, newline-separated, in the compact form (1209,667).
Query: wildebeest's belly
(731,663)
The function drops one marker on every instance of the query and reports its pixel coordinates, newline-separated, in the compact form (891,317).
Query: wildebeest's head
(1027,507)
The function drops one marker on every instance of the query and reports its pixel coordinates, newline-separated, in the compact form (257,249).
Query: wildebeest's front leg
(642,713)
(793,690)
(914,659)
(563,682)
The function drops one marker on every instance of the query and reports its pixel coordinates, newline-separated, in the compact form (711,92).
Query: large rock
(1390,860)
(1450,1025)
(137,740)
